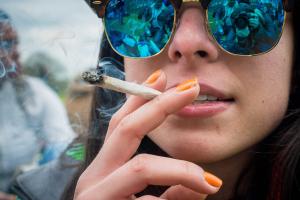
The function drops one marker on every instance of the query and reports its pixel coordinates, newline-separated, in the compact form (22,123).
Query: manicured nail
(187,85)
(212,179)
(153,77)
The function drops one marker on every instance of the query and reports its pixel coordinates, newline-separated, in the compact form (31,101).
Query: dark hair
(277,159)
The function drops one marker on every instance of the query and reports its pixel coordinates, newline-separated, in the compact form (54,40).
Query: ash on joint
(92,76)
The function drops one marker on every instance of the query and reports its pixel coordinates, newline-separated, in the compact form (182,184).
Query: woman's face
(259,87)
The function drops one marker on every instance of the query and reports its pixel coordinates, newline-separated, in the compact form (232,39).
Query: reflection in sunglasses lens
(246,27)
(139,28)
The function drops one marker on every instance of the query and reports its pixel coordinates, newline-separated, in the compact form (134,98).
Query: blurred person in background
(34,124)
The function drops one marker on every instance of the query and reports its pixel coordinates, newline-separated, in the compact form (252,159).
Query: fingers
(181,192)
(144,170)
(126,137)
(157,81)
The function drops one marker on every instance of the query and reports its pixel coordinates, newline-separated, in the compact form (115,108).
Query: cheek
(262,102)
(266,88)
(137,70)
(134,70)
(263,113)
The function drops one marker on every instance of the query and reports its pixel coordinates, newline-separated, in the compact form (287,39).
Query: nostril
(178,54)
(202,53)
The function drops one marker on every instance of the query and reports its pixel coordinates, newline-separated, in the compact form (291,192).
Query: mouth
(210,101)
(210,94)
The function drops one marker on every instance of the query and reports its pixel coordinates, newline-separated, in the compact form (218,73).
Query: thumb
(179,192)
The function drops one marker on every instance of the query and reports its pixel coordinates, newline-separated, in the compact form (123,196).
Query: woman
(243,126)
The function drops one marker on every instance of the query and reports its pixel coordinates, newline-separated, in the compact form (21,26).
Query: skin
(221,144)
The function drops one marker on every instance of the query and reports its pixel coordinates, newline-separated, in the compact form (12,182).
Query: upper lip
(206,89)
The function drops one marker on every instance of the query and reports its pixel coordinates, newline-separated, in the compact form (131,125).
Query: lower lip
(203,110)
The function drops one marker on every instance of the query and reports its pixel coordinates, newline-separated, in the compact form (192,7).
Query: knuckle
(159,105)
(157,101)
(114,120)
(139,164)
(124,126)
(128,128)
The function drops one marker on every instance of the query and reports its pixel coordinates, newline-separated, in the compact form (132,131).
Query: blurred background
(57,41)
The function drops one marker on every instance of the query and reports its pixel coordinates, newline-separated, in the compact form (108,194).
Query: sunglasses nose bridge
(190,40)
(182,8)
(203,3)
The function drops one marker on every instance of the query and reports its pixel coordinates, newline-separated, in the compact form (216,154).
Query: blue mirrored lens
(139,28)
(246,27)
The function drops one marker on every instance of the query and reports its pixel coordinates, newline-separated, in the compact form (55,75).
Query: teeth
(211,98)
(206,98)
(201,98)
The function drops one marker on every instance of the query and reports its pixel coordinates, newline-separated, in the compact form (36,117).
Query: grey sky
(66,29)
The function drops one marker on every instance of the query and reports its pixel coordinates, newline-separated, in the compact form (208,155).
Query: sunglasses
(143,28)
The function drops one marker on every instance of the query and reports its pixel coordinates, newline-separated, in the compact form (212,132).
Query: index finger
(126,137)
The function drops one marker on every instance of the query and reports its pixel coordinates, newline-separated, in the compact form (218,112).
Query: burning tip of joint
(92,77)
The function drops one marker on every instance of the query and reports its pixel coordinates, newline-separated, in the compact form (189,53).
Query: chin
(199,155)
(207,149)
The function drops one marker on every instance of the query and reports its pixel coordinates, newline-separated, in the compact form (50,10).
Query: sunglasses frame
(99,8)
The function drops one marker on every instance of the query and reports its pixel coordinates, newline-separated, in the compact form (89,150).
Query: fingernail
(187,85)
(153,77)
(212,179)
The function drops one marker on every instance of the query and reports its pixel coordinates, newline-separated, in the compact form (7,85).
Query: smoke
(111,101)
(111,67)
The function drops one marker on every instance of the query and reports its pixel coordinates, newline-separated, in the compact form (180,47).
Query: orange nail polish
(187,85)
(212,179)
(153,77)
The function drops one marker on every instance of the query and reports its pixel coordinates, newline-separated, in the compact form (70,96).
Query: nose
(191,41)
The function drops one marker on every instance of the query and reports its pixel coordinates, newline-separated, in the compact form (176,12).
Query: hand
(4,196)
(113,175)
